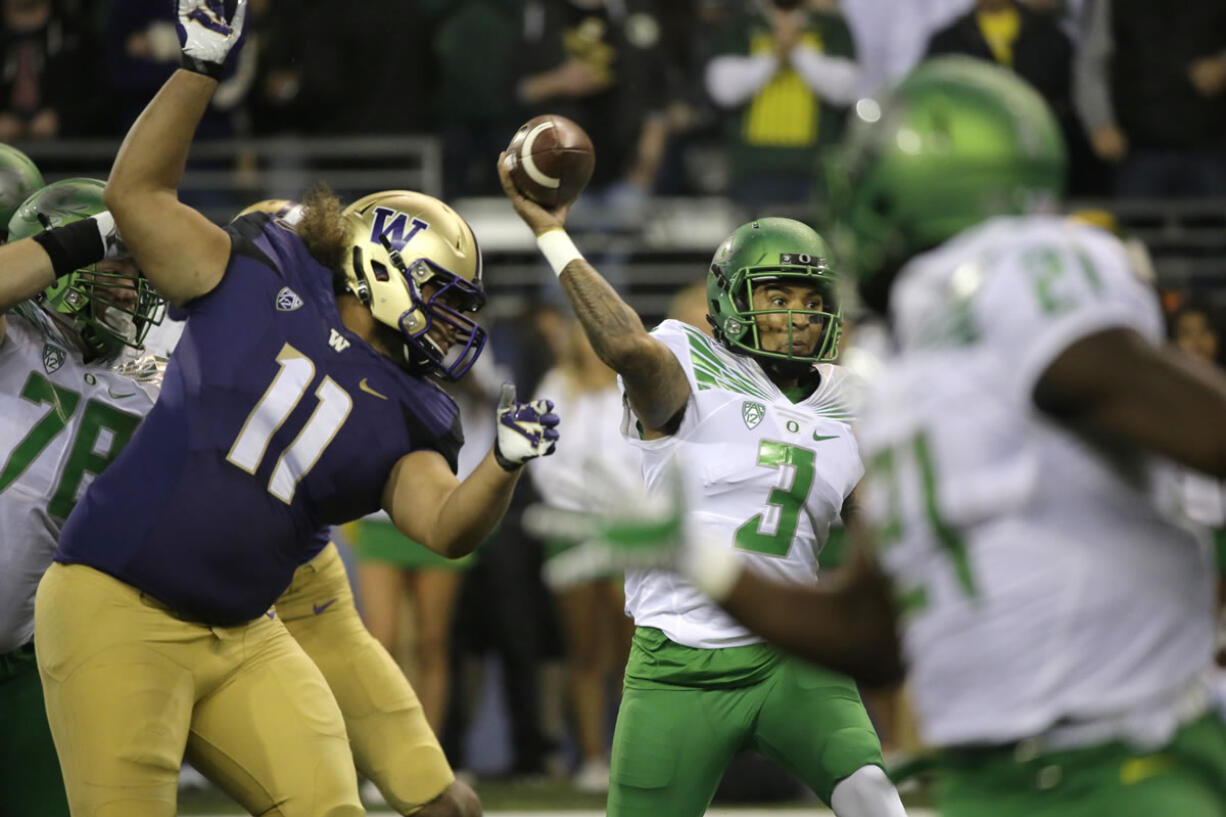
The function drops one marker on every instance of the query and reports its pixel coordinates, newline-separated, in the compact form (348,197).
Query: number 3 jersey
(1039,576)
(61,423)
(274,421)
(772,476)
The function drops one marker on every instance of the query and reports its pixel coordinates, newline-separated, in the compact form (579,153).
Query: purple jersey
(274,420)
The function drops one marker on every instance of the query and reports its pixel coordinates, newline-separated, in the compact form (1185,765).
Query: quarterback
(1055,616)
(766,421)
(299,396)
(75,385)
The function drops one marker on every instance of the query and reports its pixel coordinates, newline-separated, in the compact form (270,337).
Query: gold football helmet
(416,264)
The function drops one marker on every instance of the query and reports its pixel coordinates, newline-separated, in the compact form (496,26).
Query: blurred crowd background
(703,112)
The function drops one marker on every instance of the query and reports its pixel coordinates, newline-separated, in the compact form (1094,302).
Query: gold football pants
(129,687)
(391,740)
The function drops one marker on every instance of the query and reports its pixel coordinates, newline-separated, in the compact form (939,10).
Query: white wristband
(558,249)
(712,568)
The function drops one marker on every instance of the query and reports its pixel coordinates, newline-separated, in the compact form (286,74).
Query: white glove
(113,246)
(206,36)
(525,430)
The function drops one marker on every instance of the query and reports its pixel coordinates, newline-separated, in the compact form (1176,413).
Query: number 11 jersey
(274,421)
(770,477)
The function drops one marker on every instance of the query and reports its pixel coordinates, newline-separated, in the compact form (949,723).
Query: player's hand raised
(525,430)
(540,219)
(207,34)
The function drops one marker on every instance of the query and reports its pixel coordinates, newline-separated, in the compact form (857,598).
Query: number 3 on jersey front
(753,534)
(278,402)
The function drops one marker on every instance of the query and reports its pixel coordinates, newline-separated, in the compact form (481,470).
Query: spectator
(594,624)
(1034,45)
(1196,330)
(783,71)
(599,63)
(689,305)
(391,566)
(44,78)
(1149,88)
(363,71)
(477,111)
(142,51)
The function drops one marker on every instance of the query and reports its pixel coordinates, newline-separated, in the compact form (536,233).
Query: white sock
(866,792)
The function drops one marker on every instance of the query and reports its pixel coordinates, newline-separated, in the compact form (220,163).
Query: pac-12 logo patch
(53,357)
(288,300)
(752,413)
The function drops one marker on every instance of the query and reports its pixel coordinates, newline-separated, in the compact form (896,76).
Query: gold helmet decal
(415,262)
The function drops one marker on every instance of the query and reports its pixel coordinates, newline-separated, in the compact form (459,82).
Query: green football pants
(671,745)
(1186,778)
(29,769)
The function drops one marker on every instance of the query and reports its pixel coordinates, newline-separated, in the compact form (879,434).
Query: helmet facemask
(743,331)
(109,305)
(440,298)
(777,251)
(109,309)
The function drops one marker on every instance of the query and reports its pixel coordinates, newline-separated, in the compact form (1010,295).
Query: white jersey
(61,423)
(1041,577)
(592,425)
(774,475)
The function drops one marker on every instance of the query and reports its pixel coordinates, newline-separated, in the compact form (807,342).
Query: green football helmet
(109,309)
(18,179)
(763,251)
(958,141)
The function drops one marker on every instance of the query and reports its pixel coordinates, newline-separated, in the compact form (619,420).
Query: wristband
(504,463)
(72,246)
(558,249)
(713,568)
(209,69)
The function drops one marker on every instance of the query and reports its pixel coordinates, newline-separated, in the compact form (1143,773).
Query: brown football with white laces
(550,160)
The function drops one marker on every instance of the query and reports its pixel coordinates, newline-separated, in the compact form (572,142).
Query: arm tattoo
(655,382)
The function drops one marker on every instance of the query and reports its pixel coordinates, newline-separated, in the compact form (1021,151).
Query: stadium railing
(669,246)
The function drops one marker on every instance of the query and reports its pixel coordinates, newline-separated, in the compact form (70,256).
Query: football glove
(525,430)
(206,36)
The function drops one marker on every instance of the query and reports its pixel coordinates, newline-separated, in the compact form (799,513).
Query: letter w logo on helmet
(395,229)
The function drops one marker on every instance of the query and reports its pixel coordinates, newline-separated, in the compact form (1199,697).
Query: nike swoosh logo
(115,396)
(366,388)
(319,608)
(817,438)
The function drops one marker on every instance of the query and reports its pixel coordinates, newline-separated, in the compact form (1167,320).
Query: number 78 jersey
(61,423)
(1039,574)
(772,475)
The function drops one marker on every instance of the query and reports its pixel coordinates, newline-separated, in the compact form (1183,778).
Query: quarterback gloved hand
(206,36)
(525,430)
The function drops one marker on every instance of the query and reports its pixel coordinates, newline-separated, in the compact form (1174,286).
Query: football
(550,160)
